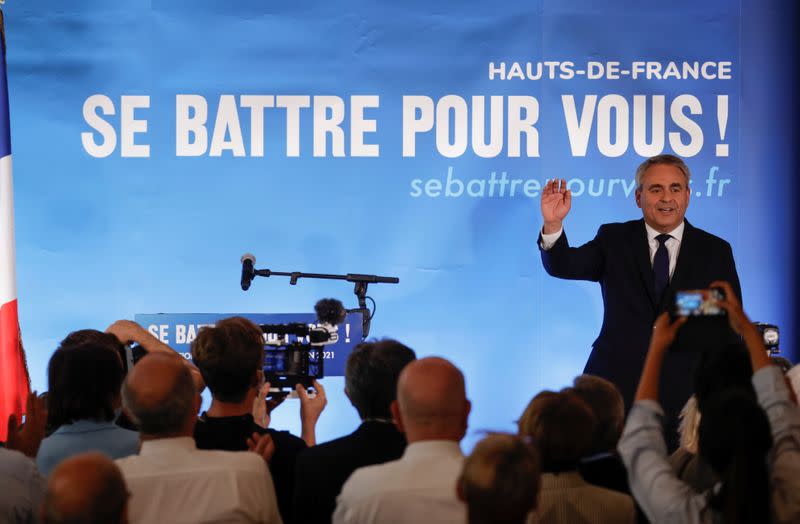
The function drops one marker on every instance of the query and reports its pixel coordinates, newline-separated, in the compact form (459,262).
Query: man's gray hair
(670,160)
(168,416)
(606,402)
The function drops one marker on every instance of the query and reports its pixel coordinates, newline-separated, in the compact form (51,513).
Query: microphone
(330,311)
(248,273)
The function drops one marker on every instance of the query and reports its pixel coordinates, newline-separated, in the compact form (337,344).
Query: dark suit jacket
(323,469)
(606,471)
(619,259)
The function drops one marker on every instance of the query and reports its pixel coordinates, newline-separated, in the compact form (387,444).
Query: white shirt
(673,244)
(419,487)
(22,488)
(172,481)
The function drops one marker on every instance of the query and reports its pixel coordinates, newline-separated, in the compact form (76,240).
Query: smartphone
(698,303)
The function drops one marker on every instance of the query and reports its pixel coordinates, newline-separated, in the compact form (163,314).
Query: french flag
(14,384)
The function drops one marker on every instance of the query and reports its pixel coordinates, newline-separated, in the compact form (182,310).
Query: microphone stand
(361,282)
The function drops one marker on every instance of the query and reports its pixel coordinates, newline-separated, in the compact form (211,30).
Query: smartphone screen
(698,302)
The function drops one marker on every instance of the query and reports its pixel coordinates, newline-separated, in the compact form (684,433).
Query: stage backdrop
(156,141)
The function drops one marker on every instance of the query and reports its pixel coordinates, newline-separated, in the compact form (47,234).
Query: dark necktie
(661,265)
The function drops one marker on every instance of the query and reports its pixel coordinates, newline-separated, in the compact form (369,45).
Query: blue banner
(156,142)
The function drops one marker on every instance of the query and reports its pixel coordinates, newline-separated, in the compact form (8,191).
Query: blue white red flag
(14,383)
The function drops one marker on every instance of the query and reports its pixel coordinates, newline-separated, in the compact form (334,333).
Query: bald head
(160,396)
(86,488)
(431,401)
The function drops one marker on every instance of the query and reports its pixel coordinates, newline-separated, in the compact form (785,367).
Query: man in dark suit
(639,265)
(370,375)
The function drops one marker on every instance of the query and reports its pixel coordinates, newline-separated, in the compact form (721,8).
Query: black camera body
(287,361)
(293,353)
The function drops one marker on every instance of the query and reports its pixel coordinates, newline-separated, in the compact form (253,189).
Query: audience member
(793,376)
(500,481)
(129,332)
(84,378)
(229,356)
(432,410)
(370,379)
(718,368)
(88,489)
(171,480)
(734,438)
(602,466)
(562,427)
(22,485)
(738,461)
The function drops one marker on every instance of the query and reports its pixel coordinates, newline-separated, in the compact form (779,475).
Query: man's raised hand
(555,203)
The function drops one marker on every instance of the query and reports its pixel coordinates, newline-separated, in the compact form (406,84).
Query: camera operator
(129,332)
(229,357)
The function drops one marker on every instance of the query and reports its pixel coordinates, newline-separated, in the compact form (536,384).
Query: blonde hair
(689,423)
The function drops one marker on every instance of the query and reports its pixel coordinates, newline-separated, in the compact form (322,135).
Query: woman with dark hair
(718,368)
(85,376)
(734,439)
(752,445)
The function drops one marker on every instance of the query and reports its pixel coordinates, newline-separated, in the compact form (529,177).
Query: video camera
(130,355)
(293,353)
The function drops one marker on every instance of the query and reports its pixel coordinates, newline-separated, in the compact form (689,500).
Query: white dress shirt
(173,481)
(673,244)
(22,488)
(419,487)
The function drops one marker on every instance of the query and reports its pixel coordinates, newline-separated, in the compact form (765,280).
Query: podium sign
(178,330)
